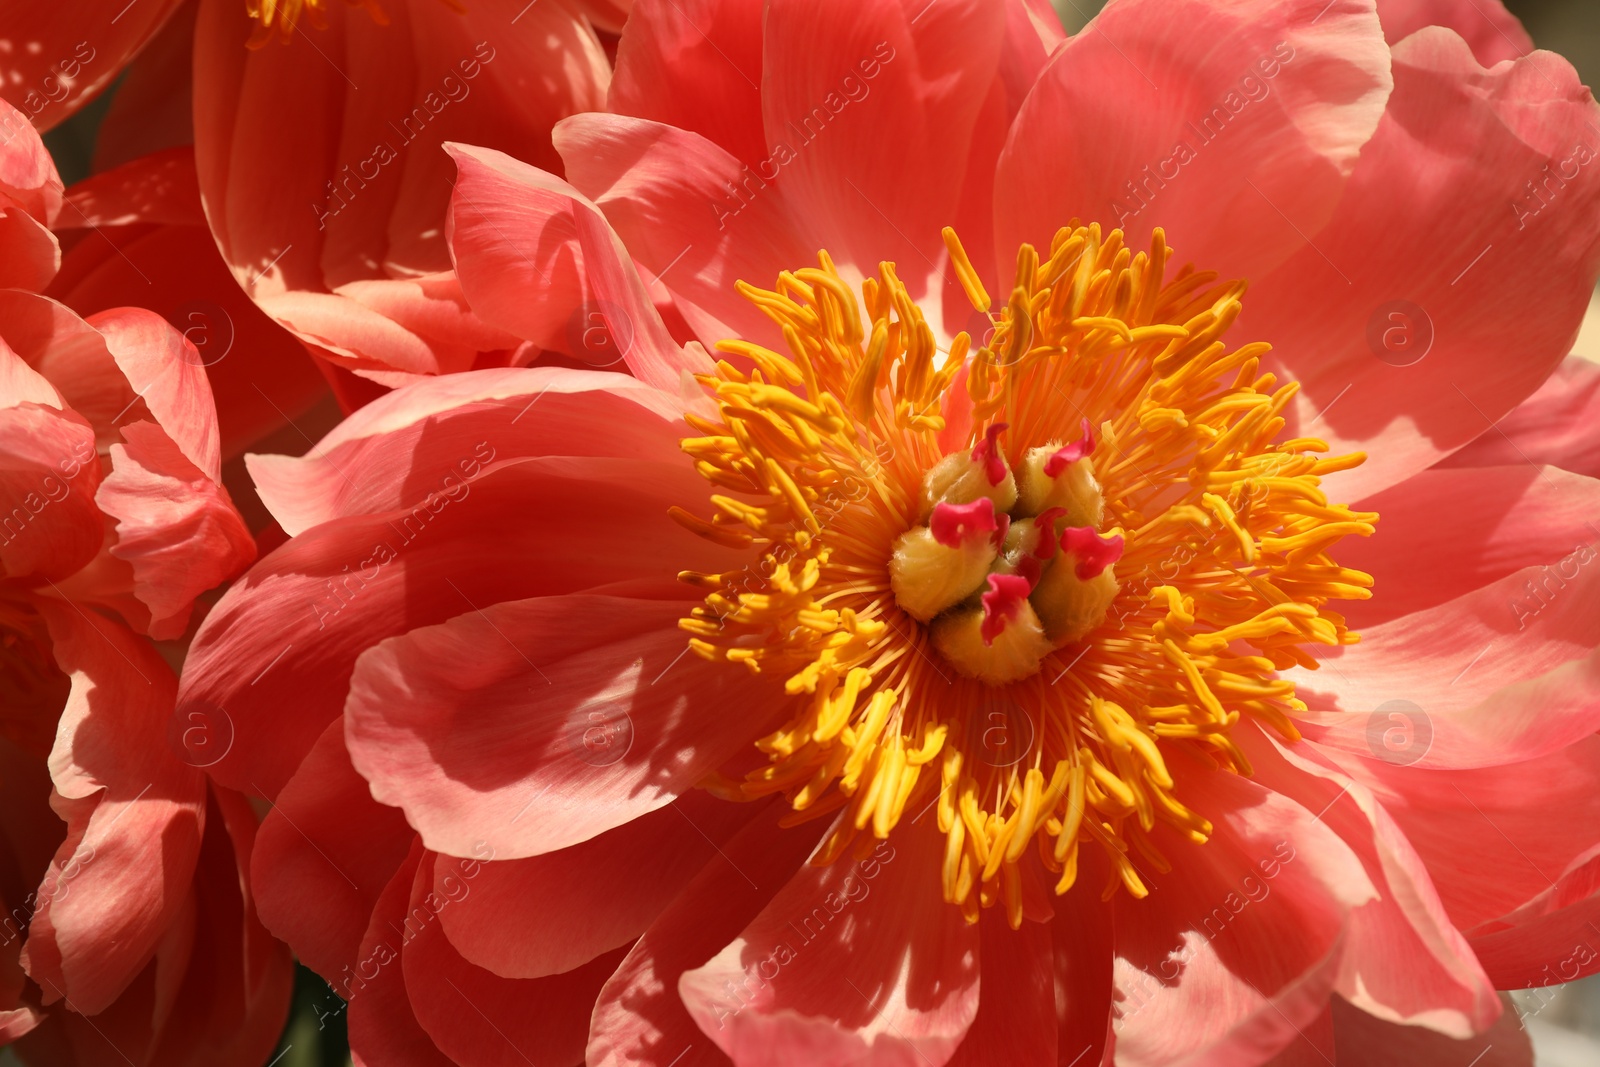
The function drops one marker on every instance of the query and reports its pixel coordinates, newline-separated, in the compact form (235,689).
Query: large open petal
(1447,531)
(234,996)
(1506,672)
(836,76)
(319,157)
(476,1017)
(857,961)
(278,650)
(1531,823)
(322,858)
(639,1019)
(1237,149)
(538,259)
(696,65)
(543,915)
(1016,1020)
(1403,959)
(437,435)
(477,740)
(384,1031)
(667,193)
(1242,941)
(134,815)
(1558,425)
(1394,320)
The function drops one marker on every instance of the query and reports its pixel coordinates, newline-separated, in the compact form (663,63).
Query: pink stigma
(1001,604)
(987,452)
(954,524)
(1045,525)
(1094,553)
(1066,457)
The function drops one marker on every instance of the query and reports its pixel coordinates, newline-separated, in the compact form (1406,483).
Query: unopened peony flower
(123,869)
(1009,569)
(320,163)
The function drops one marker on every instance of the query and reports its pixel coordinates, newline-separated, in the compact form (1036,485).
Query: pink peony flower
(1150,801)
(112,520)
(320,167)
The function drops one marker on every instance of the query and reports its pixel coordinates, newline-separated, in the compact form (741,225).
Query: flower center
(1012,585)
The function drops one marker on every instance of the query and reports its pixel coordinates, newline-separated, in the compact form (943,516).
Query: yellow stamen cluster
(819,456)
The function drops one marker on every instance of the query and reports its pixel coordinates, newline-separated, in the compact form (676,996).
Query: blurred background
(1564,1021)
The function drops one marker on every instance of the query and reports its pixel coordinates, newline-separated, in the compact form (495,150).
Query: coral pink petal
(539,260)
(48,477)
(384,1031)
(312,183)
(478,1018)
(1403,958)
(547,914)
(1528,824)
(1083,937)
(175,526)
(1493,32)
(839,74)
(1120,128)
(323,855)
(63,347)
(134,815)
(166,372)
(691,214)
(858,961)
(59,58)
(237,980)
(696,65)
(1230,984)
(28,178)
(1400,311)
(1498,519)
(459,725)
(278,650)
(1507,672)
(1016,1020)
(1559,425)
(439,434)
(142,240)
(639,1019)
(1360,1040)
